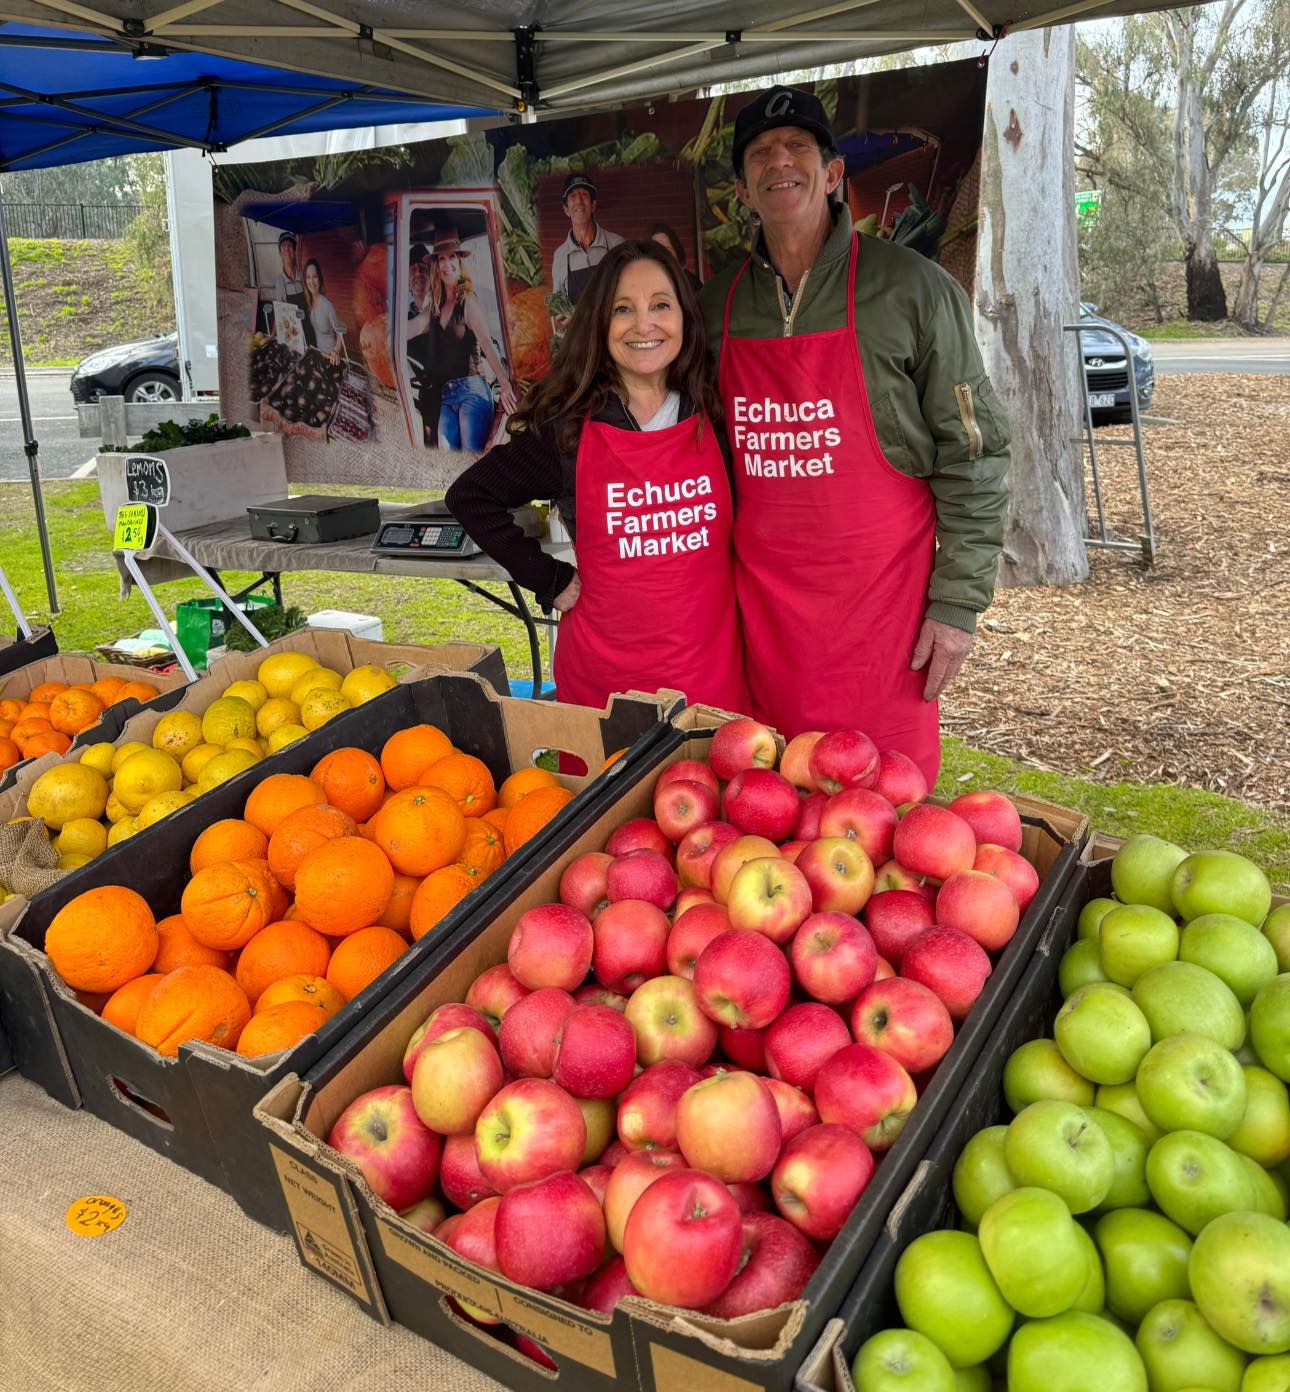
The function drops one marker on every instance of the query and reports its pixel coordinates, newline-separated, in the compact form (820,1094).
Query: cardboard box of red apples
(640,1127)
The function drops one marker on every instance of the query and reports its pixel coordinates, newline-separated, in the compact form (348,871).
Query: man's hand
(941,648)
(568,596)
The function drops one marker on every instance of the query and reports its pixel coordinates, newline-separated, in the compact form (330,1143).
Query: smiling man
(870,452)
(587,243)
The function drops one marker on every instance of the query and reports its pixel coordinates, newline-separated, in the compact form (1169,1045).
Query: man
(869,450)
(587,243)
(289,281)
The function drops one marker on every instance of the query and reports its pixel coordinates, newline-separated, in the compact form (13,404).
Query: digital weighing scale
(431,532)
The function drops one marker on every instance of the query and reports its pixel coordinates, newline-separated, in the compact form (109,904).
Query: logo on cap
(780,103)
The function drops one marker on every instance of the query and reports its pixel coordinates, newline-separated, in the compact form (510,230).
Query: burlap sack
(28,860)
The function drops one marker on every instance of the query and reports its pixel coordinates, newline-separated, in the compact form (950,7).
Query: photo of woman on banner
(326,332)
(624,435)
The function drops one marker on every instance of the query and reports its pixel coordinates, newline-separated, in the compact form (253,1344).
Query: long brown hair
(584,373)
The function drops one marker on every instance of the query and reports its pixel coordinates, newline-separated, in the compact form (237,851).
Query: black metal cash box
(315,519)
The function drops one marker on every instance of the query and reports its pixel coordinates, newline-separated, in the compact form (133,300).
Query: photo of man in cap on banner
(290,281)
(587,243)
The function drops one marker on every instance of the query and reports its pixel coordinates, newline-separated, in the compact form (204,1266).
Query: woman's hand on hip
(568,596)
(508,397)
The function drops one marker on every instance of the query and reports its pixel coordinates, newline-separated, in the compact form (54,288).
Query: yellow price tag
(94,1215)
(135,527)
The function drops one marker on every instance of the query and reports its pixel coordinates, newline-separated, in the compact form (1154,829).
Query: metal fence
(70,221)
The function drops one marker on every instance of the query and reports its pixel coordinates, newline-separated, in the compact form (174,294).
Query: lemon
(121,830)
(250,691)
(274,712)
(99,756)
(143,776)
(223,767)
(161,806)
(124,751)
(73,862)
(320,707)
(365,682)
(192,791)
(279,673)
(319,679)
(82,836)
(285,735)
(197,759)
(228,718)
(252,746)
(114,812)
(178,733)
(67,793)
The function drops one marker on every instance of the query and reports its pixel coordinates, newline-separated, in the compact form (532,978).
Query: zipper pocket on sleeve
(967,414)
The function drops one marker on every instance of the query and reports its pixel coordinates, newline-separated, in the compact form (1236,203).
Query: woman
(663,233)
(454,320)
(622,433)
(328,331)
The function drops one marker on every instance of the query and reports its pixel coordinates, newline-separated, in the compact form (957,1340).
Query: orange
(484,850)
(10,754)
(46,691)
(400,905)
(408,753)
(344,885)
(276,797)
(420,830)
(524,781)
(176,947)
(613,759)
(497,817)
(193,1003)
(352,780)
(531,814)
(225,905)
(280,1027)
(108,689)
(5,727)
(140,690)
(466,780)
(123,1005)
(46,742)
(304,831)
(35,710)
(438,895)
(285,948)
(27,726)
(313,990)
(230,839)
(11,710)
(361,957)
(74,711)
(102,939)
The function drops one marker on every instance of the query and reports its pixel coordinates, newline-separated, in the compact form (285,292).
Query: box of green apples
(1105,1208)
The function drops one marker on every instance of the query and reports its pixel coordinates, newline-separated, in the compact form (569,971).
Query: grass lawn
(415,610)
(1178,328)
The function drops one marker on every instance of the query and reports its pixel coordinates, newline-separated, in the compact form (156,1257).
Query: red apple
(903,1019)
(933,841)
(460,1177)
(550,946)
(795,764)
(992,817)
(647,1109)
(397,1153)
(596,1055)
(639,834)
(534,1351)
(751,1198)
(455,1078)
(775,1263)
(980,906)
(741,744)
(689,771)
(867,1090)
(683,1240)
(452,1015)
(900,780)
(761,802)
(844,759)
(741,979)
(796,1110)
(593,993)
(596,1178)
(883,970)
(669,1023)
(745,1048)
(819,1177)
(549,1231)
(582,883)
(598,1114)
(790,850)
(425,1216)
(607,1287)
(949,963)
(895,918)
(629,1180)
(801,1041)
(682,805)
(493,992)
(839,873)
(474,1236)
(720,1067)
(833,957)
(893,875)
(697,852)
(642,875)
(1013,870)
(769,896)
(688,897)
(614,1154)
(808,824)
(530,1033)
(531,1129)
(630,944)
(732,857)
(862,816)
(691,932)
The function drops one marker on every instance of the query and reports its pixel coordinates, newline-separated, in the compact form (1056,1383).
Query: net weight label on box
(147,480)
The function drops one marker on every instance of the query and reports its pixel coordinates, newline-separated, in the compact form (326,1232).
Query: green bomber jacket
(936,413)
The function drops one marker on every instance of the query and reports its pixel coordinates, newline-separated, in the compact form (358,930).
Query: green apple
(1058,1146)
(1031,1245)
(1190,1083)
(1074,1352)
(1182,998)
(1180,1350)
(1145,1256)
(1143,869)
(1135,937)
(972,1379)
(1235,951)
(981,1174)
(1194,1178)
(1276,928)
(1036,1071)
(1123,1099)
(1240,1277)
(1221,882)
(1092,1296)
(1264,1131)
(1081,965)
(1270,1374)
(896,1360)
(944,1290)
(1266,1195)
(1270,1026)
(1091,916)
(1129,1155)
(1102,1034)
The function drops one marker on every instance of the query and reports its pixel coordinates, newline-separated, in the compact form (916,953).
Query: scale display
(429,537)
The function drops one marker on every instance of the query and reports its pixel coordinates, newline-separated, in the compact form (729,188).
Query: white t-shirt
(667,414)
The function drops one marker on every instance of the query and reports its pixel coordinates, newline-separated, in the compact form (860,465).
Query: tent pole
(30,447)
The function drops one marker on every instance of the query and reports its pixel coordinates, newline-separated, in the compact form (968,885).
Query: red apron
(657,606)
(833,546)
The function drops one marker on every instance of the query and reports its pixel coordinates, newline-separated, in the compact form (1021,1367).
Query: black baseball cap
(287,237)
(781,106)
(577,181)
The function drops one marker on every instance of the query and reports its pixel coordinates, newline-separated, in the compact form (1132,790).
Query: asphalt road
(62,451)
(1260,355)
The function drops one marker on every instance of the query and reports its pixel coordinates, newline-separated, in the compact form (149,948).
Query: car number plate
(1100,400)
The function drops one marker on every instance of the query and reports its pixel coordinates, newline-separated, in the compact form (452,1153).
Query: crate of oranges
(189,966)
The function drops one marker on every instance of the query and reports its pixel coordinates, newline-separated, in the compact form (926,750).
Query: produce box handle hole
(128,1095)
